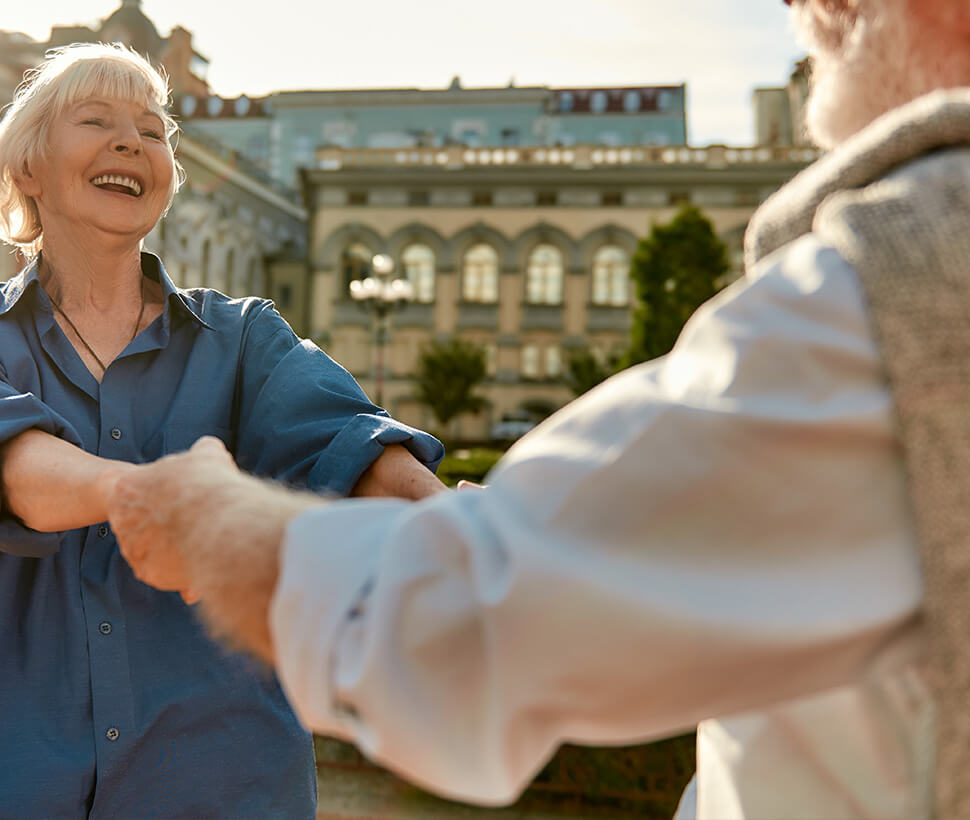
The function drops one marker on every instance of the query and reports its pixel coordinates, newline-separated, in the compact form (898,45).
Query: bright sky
(722,49)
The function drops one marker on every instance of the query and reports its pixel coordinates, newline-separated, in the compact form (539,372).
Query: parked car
(512,426)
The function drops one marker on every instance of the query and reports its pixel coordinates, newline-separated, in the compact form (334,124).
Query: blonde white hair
(66,76)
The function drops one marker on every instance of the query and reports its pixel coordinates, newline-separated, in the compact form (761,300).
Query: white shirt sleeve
(721,528)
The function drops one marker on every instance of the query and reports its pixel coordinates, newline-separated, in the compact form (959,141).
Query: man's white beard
(861,70)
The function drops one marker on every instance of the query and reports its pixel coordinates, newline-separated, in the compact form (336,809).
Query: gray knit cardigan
(895,202)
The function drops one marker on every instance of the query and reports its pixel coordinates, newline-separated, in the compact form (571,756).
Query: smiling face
(108,167)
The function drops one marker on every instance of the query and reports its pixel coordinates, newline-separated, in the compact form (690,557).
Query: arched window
(479,275)
(356,264)
(611,276)
(530,361)
(491,358)
(543,276)
(417,262)
(553,361)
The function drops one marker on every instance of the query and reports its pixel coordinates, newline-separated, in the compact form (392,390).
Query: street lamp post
(380,295)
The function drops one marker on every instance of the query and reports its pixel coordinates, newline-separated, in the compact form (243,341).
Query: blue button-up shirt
(114,702)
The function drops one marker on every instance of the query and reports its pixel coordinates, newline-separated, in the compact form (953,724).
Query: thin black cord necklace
(97,358)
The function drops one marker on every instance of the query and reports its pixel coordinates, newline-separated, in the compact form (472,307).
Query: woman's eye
(93,121)
(152,135)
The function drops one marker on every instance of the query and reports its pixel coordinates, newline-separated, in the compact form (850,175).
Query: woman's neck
(87,279)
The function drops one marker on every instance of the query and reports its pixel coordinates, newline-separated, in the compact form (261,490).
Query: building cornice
(199,153)
(582,164)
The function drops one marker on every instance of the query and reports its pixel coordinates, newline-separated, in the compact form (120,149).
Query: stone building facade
(524,251)
(227,228)
(779,113)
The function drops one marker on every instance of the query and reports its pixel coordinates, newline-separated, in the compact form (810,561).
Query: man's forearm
(51,485)
(234,562)
(195,524)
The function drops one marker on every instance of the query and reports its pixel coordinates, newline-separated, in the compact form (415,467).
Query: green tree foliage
(677,268)
(584,370)
(447,375)
(471,465)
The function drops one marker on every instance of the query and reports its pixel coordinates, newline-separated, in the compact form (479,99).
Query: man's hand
(155,511)
(195,523)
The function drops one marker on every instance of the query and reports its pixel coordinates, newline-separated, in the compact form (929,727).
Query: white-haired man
(733,530)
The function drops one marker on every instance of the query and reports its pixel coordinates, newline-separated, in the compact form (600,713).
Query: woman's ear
(26,181)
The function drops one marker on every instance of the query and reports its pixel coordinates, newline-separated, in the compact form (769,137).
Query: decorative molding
(477,315)
(350,314)
(608,234)
(415,314)
(326,253)
(415,232)
(545,233)
(609,317)
(542,317)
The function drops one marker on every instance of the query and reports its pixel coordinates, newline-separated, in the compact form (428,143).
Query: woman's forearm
(52,485)
(397,474)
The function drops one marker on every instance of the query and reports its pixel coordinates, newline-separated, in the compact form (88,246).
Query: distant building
(229,229)
(779,113)
(283,131)
(522,250)
(130,25)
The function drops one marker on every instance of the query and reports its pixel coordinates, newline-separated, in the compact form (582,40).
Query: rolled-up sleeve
(304,419)
(20,412)
(719,529)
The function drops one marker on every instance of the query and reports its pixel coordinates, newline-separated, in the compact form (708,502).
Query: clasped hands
(196,515)
(158,511)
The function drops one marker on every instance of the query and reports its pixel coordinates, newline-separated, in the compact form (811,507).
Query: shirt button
(104,628)
(112,734)
(115,433)
(103,530)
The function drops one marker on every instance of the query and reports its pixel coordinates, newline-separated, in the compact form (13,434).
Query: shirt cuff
(360,443)
(328,561)
(19,413)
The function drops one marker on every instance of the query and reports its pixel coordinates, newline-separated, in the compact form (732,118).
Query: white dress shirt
(722,532)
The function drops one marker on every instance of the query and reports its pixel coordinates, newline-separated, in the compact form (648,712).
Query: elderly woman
(114,702)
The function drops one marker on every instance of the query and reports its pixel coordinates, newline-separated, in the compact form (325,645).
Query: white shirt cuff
(338,547)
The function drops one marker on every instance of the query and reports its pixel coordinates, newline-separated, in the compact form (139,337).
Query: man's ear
(953,14)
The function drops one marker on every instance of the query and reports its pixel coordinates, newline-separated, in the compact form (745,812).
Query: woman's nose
(127,140)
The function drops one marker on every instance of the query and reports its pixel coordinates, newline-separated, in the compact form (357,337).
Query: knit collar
(937,120)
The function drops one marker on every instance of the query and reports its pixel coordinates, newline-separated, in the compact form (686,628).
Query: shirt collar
(151,266)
